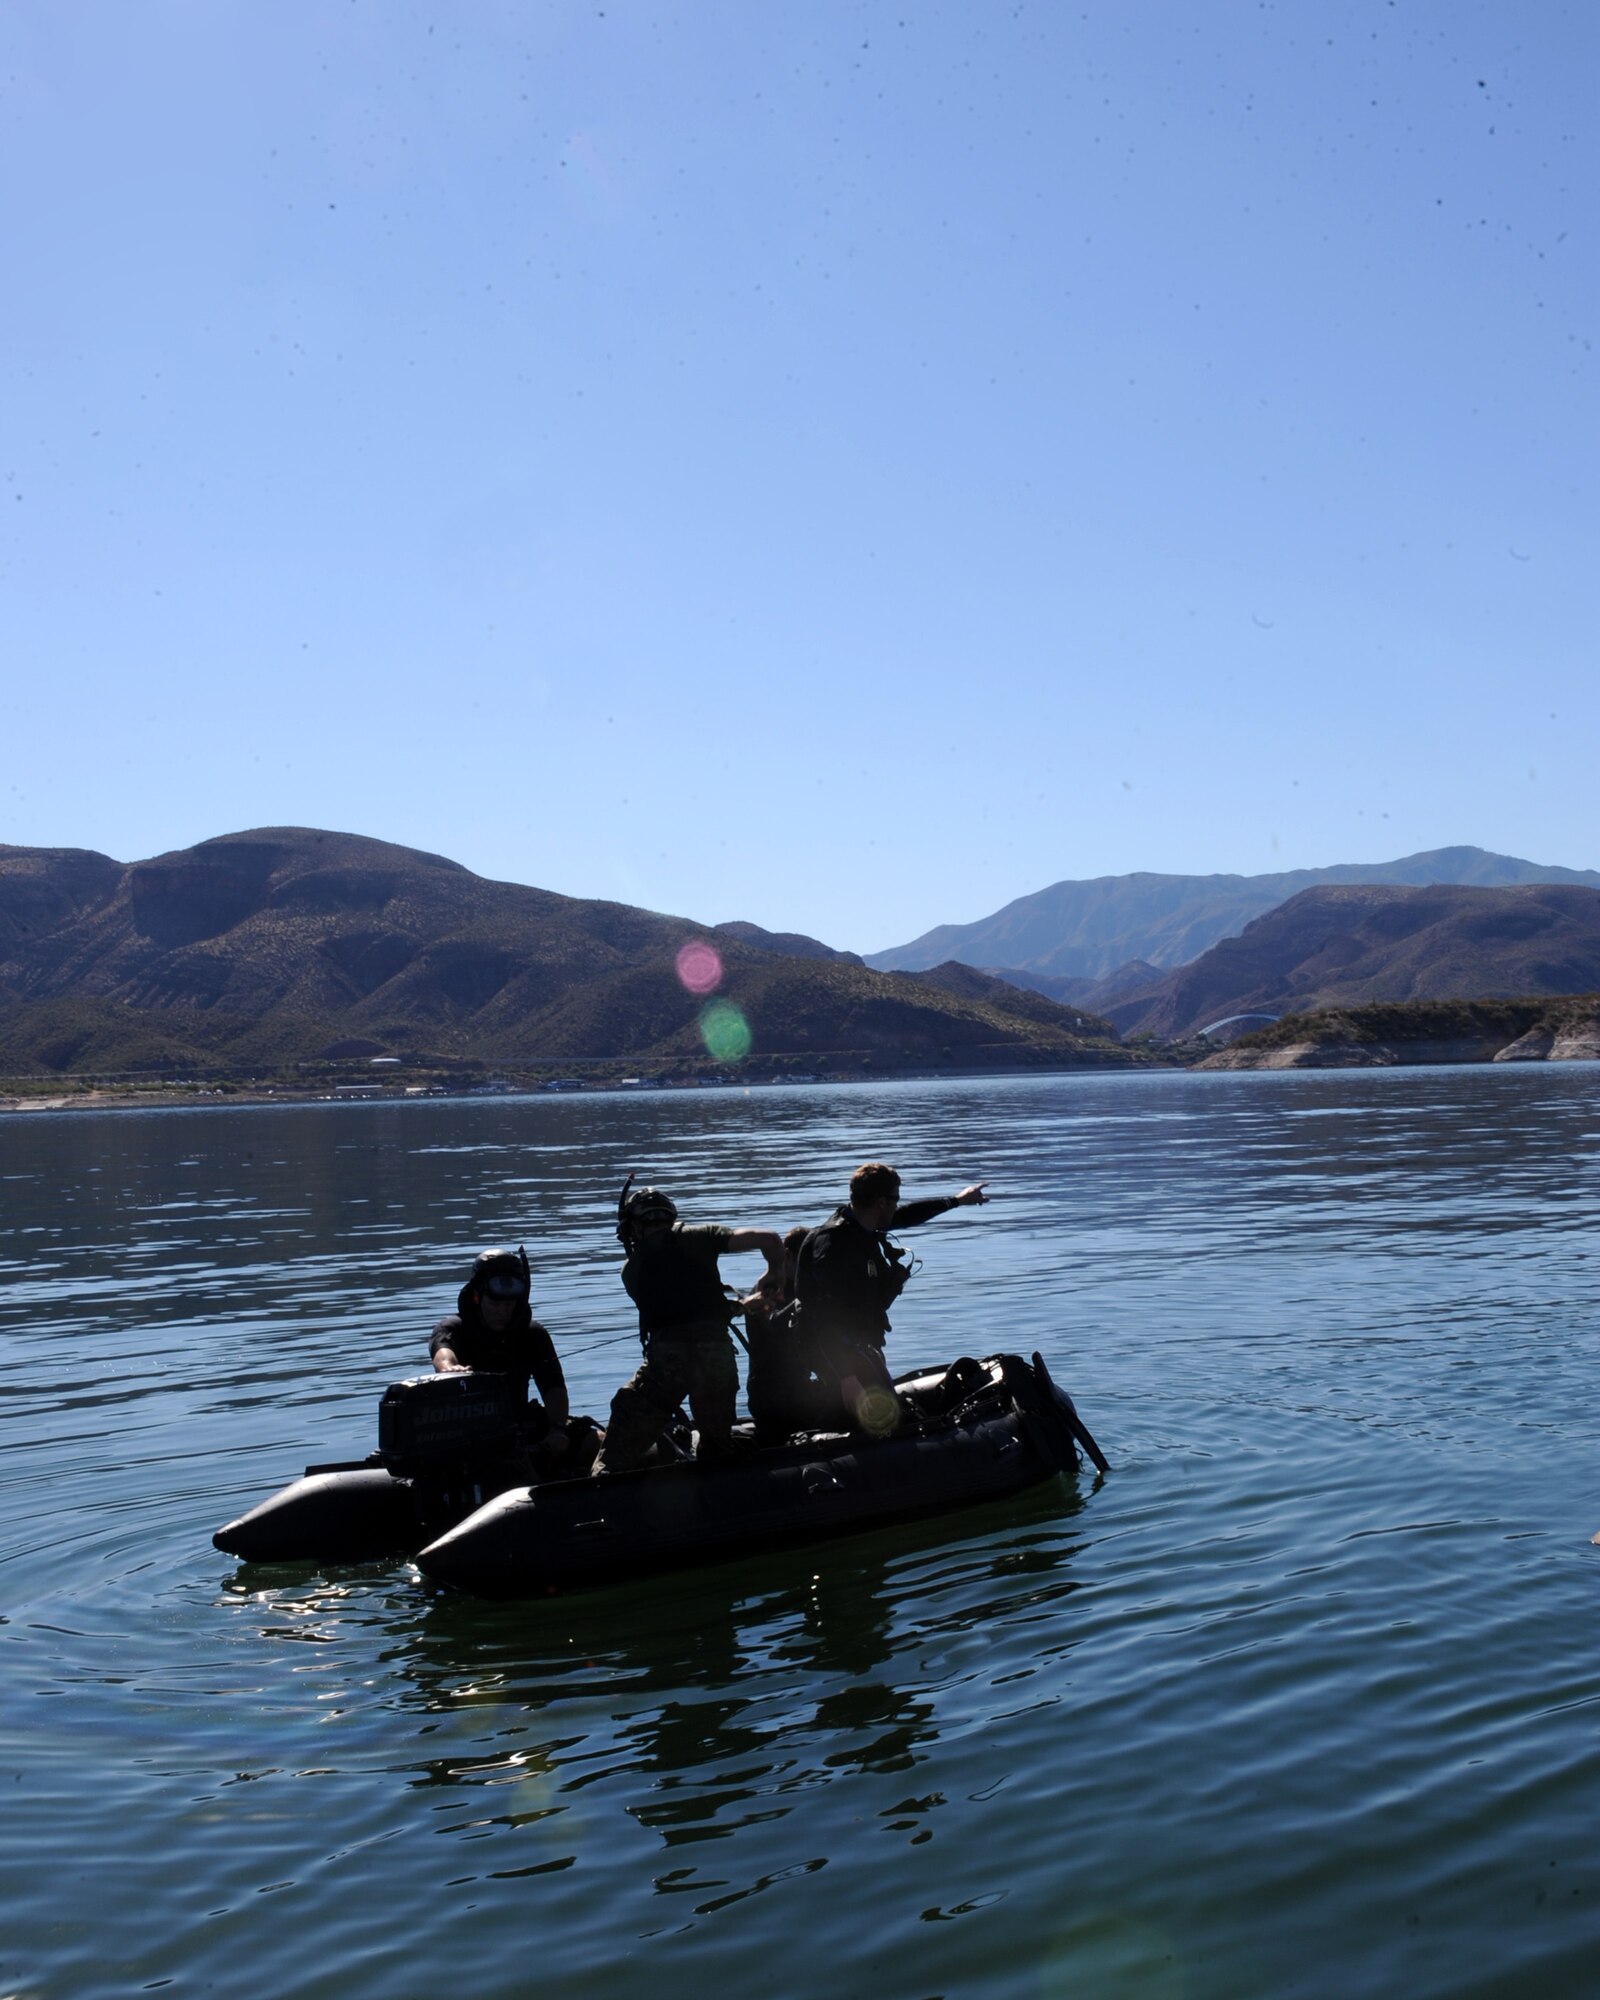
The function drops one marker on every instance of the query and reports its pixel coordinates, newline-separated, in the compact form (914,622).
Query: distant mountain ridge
(792,944)
(1075,992)
(290,944)
(1089,929)
(1346,945)
(968,984)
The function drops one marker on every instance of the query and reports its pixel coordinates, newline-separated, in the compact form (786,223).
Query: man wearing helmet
(847,1276)
(671,1275)
(493,1328)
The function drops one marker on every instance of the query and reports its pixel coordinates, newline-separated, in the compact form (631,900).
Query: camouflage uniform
(683,1320)
(703,1370)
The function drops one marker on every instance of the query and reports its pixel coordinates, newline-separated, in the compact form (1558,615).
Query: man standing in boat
(493,1328)
(848,1276)
(671,1275)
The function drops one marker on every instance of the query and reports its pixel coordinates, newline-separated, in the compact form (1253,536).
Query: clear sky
(838,465)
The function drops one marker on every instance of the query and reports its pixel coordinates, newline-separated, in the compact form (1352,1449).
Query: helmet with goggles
(649,1208)
(642,1209)
(501,1274)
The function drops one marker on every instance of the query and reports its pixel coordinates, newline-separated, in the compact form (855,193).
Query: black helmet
(642,1208)
(501,1274)
(649,1208)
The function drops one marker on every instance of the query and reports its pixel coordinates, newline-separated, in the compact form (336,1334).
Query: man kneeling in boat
(783,1394)
(684,1312)
(848,1276)
(493,1328)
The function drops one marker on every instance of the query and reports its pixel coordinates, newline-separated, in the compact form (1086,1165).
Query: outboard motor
(433,1420)
(451,1436)
(446,1443)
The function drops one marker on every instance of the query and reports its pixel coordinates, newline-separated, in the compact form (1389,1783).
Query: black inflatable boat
(448,1480)
(446,1443)
(975,1431)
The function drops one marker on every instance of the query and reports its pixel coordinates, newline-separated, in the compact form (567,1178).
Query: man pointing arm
(849,1275)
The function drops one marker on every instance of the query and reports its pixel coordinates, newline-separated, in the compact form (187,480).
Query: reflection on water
(1300,1698)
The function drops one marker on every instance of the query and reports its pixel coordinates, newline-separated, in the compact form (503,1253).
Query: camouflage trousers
(703,1369)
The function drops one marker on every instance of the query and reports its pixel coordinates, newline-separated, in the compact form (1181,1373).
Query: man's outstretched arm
(910,1213)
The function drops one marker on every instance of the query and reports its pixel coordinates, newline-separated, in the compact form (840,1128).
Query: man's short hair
(873,1182)
(793,1238)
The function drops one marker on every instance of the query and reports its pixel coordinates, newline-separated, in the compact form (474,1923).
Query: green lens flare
(725,1031)
(877,1412)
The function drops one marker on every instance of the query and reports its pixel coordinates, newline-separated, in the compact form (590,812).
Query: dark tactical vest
(674,1283)
(848,1278)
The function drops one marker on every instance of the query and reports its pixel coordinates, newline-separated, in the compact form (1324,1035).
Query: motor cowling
(432,1422)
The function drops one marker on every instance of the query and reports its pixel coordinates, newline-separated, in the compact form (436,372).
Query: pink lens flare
(699,967)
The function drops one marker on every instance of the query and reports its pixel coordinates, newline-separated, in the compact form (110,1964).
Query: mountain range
(1347,944)
(290,945)
(1084,931)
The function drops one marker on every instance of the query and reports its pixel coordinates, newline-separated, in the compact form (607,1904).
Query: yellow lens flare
(877,1412)
(725,1032)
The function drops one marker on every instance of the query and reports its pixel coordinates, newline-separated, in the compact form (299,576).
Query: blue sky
(838,465)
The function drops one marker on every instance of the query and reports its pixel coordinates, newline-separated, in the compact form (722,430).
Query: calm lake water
(1303,1699)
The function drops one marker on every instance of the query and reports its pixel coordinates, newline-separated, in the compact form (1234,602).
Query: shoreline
(211,1096)
(1328,1051)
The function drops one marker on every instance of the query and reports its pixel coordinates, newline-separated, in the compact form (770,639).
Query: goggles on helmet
(500,1274)
(504,1285)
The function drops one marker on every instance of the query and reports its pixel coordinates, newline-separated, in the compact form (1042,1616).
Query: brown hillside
(1346,945)
(286,944)
(993,988)
(42,888)
(1423,1031)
